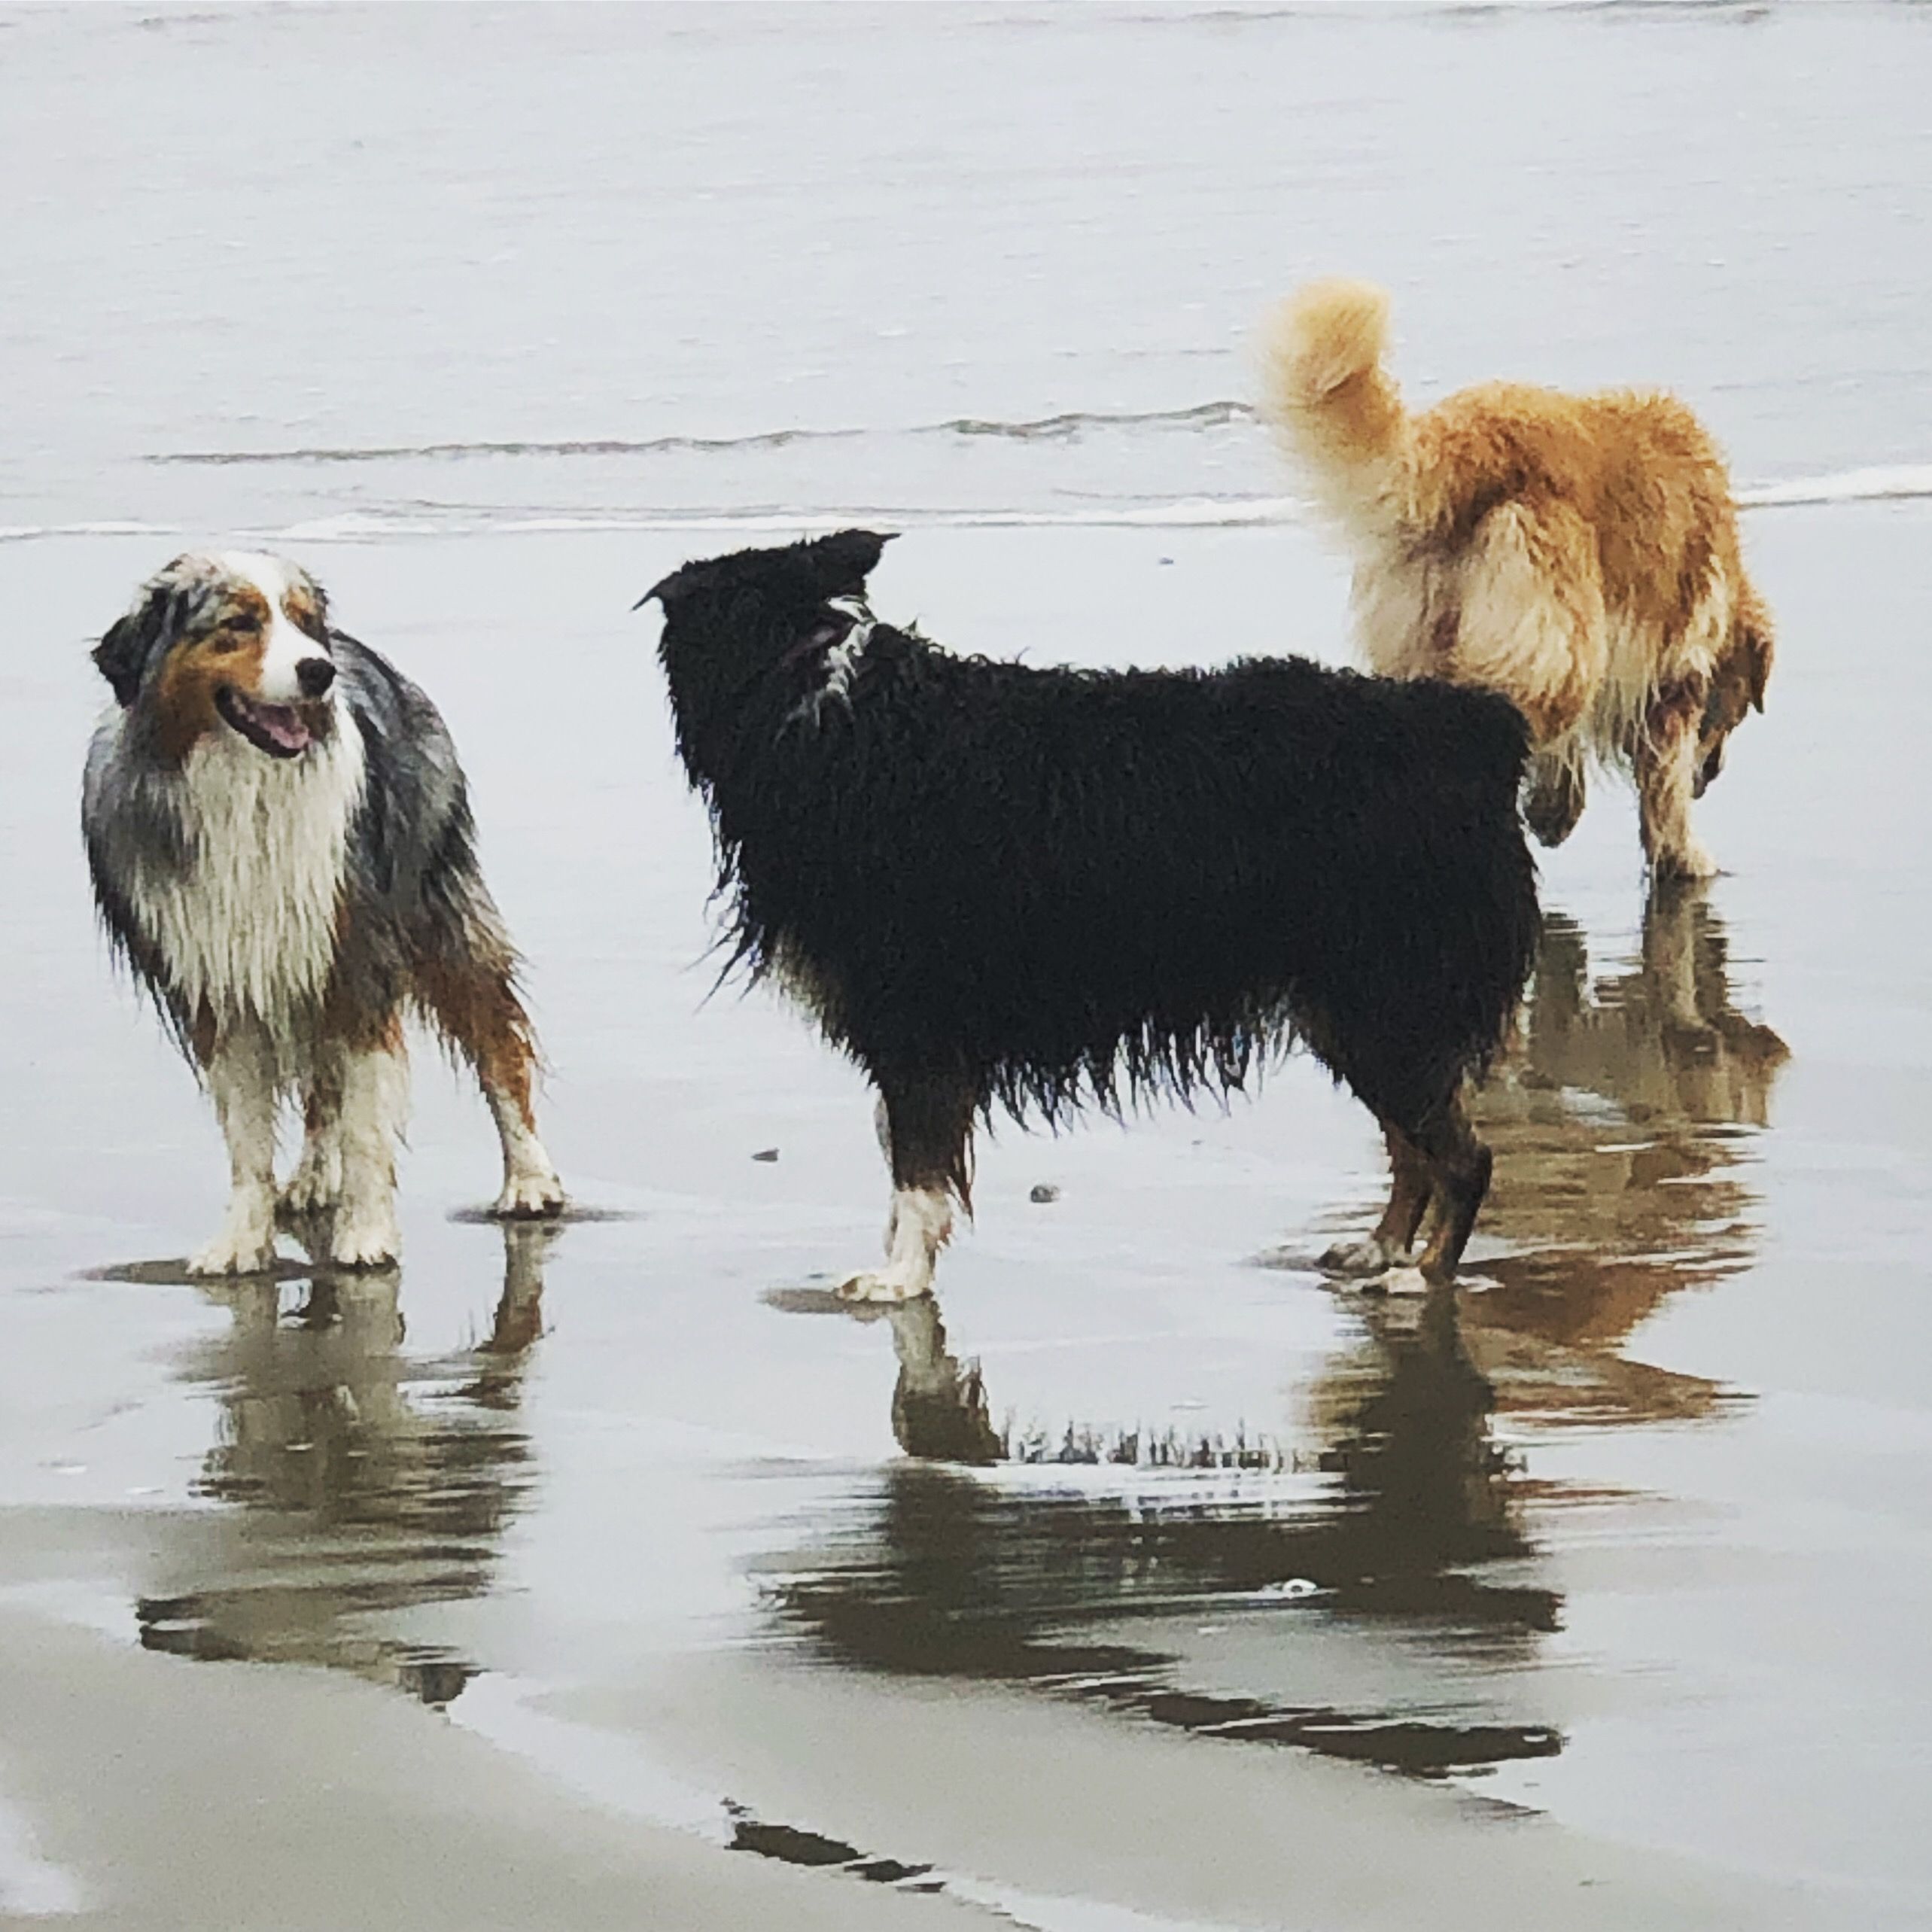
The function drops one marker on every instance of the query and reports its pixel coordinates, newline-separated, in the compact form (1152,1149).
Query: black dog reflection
(1624,1120)
(366,1482)
(939,1408)
(942,1573)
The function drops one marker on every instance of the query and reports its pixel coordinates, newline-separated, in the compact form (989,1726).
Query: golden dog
(1578,554)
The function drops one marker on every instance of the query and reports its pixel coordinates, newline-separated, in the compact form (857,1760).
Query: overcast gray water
(1598,1598)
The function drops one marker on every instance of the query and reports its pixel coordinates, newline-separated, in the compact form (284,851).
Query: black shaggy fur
(993,883)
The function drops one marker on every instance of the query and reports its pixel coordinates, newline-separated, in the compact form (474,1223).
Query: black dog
(992,883)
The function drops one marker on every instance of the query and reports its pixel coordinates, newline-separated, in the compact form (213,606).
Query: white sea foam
(1894,482)
(1889,481)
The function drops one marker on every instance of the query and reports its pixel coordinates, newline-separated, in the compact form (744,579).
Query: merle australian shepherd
(283,853)
(995,884)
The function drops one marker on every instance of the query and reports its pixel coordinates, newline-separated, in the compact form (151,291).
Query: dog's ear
(122,655)
(1756,643)
(843,562)
(1757,659)
(683,580)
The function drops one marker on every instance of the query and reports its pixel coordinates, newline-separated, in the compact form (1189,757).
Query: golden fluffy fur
(1578,554)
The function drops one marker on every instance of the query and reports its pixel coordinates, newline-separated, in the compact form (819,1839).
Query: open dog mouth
(280,730)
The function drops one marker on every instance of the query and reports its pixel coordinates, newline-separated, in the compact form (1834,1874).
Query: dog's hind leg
(1459,1165)
(474,1005)
(1553,792)
(1410,1185)
(1531,621)
(926,1127)
(240,1067)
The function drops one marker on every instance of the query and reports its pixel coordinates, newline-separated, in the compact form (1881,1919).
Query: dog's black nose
(314,675)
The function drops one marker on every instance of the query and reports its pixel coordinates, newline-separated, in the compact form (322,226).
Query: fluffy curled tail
(1323,335)
(1329,398)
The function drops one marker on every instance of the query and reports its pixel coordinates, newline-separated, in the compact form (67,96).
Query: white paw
(367,1240)
(1694,862)
(244,1246)
(886,1284)
(535,1193)
(1405,1280)
(1371,1256)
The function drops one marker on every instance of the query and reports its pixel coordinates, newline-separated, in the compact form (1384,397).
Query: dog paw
(246,1251)
(535,1195)
(366,1240)
(1694,862)
(1405,1279)
(1371,1256)
(884,1285)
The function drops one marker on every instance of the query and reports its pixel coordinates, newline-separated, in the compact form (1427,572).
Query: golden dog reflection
(1624,1122)
(367,1482)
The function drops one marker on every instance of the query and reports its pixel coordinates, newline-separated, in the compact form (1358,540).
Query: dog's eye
(305,615)
(244,621)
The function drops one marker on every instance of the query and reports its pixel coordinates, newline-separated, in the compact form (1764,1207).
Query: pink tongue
(282,724)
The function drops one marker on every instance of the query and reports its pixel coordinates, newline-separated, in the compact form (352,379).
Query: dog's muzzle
(1707,772)
(282,730)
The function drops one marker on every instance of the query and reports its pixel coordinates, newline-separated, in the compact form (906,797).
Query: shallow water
(1600,1589)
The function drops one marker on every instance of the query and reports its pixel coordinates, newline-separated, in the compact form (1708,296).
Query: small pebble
(1043,1192)
(1292,1587)
(766,1154)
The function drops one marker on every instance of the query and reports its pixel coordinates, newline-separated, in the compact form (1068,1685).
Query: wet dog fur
(997,884)
(282,852)
(1578,553)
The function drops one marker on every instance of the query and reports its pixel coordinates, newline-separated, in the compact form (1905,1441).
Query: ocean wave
(1065,427)
(412,518)
(30,532)
(1890,482)
(1186,513)
(1076,422)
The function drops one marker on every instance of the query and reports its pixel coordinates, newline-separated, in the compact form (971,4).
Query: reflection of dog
(282,851)
(1578,554)
(992,883)
(939,1402)
(1624,1175)
(1664,1041)
(365,1482)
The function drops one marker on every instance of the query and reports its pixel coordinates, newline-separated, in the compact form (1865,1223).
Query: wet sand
(1145,1580)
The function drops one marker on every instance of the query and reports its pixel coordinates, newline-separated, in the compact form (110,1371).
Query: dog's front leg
(317,1182)
(926,1129)
(375,1108)
(1666,772)
(240,1069)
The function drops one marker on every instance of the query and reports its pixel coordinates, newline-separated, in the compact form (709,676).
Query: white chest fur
(248,925)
